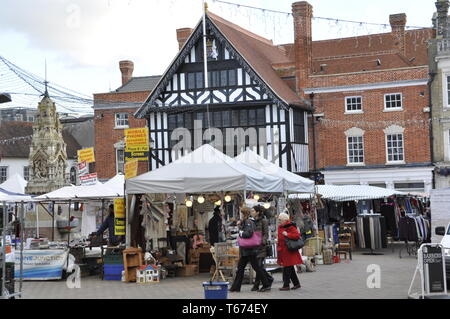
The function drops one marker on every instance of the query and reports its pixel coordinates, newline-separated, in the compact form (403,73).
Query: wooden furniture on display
(132,259)
(220,254)
(344,247)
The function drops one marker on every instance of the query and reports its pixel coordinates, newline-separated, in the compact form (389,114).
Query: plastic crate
(113,259)
(112,270)
(216,290)
(113,277)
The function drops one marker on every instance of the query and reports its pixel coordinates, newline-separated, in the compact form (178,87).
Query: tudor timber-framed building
(246,90)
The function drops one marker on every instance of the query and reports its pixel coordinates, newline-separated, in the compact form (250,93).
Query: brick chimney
(398,23)
(442,20)
(302,12)
(182,36)
(126,67)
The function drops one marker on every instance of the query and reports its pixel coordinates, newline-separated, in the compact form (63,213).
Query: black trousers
(258,279)
(243,261)
(290,275)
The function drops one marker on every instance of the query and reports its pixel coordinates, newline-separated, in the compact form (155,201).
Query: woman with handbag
(262,225)
(249,240)
(288,254)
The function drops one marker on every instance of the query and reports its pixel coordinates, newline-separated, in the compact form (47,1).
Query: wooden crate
(187,271)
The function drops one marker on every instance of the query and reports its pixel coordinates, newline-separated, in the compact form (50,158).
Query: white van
(445,242)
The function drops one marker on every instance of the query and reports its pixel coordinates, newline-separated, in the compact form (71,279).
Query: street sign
(86,154)
(89,179)
(431,267)
(136,144)
(119,216)
(131,168)
(83,168)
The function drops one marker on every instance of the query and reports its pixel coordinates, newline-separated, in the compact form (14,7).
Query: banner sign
(86,154)
(119,216)
(434,270)
(83,168)
(41,264)
(131,168)
(136,144)
(89,179)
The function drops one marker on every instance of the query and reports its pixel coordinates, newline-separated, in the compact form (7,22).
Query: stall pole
(68,234)
(103,207)
(5,215)
(36,210)
(22,238)
(53,221)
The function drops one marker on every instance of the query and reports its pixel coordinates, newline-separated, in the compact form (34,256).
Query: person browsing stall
(108,224)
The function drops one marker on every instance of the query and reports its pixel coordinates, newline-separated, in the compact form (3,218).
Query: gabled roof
(254,51)
(21,149)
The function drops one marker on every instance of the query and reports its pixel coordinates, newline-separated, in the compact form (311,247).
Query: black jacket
(214,227)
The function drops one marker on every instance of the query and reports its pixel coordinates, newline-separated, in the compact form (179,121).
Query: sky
(84,40)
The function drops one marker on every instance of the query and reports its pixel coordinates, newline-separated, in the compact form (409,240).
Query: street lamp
(5,98)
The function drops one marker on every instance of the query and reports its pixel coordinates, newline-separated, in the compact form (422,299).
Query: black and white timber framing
(236,97)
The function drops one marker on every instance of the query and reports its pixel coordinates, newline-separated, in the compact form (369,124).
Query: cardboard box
(187,271)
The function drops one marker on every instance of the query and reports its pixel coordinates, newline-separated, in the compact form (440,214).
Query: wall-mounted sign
(131,168)
(136,144)
(86,154)
(89,179)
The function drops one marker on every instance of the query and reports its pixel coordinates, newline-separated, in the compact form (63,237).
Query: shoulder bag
(294,245)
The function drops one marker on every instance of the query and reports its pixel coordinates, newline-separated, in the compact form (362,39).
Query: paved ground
(344,280)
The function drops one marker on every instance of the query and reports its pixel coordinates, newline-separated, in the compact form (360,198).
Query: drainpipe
(311,96)
(432,75)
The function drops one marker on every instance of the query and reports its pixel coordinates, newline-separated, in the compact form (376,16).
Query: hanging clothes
(371,231)
(364,207)
(388,212)
(349,211)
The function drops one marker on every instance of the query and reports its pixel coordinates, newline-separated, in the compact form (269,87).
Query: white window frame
(445,90)
(30,118)
(403,147)
(121,126)
(25,177)
(349,163)
(393,109)
(118,149)
(354,132)
(6,177)
(347,111)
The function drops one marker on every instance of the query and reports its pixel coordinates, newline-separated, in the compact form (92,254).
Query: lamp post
(5,97)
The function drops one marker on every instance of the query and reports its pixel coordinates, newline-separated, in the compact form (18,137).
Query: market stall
(169,208)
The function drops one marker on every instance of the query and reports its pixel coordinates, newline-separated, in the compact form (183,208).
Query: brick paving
(343,280)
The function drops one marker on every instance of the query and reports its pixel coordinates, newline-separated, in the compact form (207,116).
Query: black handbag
(294,245)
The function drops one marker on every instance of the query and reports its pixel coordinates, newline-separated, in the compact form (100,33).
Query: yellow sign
(119,216)
(131,168)
(119,208)
(86,154)
(136,137)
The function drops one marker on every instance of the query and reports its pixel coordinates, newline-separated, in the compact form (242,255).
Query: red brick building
(371,118)
(113,113)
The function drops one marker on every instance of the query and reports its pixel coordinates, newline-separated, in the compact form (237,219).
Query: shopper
(248,254)
(261,225)
(113,240)
(286,258)
(215,226)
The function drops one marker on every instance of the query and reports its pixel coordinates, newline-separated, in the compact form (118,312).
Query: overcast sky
(83,40)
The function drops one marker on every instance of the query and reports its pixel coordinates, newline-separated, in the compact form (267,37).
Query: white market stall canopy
(117,184)
(97,191)
(204,170)
(6,196)
(14,184)
(292,183)
(342,193)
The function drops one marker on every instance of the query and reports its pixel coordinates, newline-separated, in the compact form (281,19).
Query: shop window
(3,173)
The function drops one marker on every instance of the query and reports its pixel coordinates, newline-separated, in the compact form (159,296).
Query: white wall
(16,165)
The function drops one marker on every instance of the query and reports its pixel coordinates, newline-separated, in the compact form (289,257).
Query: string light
(228,198)
(201,199)
(218,203)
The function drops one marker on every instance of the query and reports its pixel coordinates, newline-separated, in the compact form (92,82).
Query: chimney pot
(126,68)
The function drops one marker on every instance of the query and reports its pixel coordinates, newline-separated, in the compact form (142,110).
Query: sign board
(431,267)
(41,264)
(86,154)
(89,179)
(136,144)
(131,168)
(119,216)
(83,168)
(439,204)
(434,269)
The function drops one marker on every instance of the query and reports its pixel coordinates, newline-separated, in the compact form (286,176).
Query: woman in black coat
(215,226)
(262,225)
(246,255)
